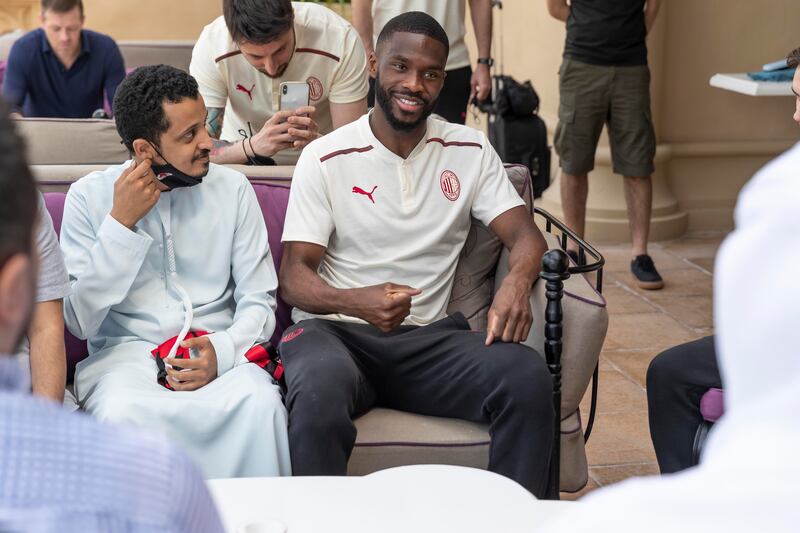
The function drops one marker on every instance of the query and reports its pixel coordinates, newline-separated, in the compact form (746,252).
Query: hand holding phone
(303,128)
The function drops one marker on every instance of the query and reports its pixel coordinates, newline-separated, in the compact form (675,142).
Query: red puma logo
(359,190)
(248,92)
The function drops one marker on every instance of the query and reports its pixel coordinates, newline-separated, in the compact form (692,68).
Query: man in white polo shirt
(241,59)
(378,213)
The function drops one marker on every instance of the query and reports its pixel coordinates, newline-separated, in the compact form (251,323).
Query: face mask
(172,177)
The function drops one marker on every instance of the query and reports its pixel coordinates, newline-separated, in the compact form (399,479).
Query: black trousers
(676,380)
(336,371)
(453,99)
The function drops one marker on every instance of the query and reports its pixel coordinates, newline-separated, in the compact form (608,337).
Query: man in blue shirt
(61,471)
(61,69)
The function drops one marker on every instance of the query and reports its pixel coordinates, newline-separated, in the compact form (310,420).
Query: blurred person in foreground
(64,471)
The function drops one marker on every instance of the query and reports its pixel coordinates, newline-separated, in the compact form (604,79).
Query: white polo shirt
(449,13)
(387,219)
(328,55)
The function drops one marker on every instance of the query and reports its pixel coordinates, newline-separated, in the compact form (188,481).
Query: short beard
(384,100)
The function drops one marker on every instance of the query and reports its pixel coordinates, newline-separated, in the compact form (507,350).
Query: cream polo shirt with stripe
(387,219)
(328,55)
(449,13)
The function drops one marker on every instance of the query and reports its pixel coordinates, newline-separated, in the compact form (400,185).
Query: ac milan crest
(451,187)
(314,88)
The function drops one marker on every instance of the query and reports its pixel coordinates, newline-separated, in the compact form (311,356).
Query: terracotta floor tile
(692,311)
(704,263)
(677,282)
(618,259)
(654,331)
(620,438)
(694,247)
(632,363)
(622,300)
(608,475)
(618,394)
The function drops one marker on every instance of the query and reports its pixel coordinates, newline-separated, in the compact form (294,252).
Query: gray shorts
(593,95)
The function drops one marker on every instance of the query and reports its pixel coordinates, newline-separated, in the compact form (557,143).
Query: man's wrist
(520,281)
(485,61)
(122,220)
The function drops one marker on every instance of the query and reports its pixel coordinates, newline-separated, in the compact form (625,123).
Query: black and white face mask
(171,177)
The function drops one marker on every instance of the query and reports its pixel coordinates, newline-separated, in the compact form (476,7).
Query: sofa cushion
(65,141)
(7,40)
(473,282)
(388,438)
(140,53)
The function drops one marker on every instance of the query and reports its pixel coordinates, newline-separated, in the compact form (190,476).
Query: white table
(740,83)
(409,499)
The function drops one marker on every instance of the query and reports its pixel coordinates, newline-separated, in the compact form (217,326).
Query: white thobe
(749,476)
(125,302)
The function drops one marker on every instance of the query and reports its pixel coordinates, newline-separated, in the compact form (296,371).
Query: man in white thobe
(164,245)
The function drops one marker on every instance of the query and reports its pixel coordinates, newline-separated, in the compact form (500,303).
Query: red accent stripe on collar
(345,151)
(226,56)
(319,52)
(452,143)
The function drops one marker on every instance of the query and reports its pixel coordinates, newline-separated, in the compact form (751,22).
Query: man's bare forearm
(362,22)
(481,13)
(303,288)
(525,258)
(48,356)
(225,152)
(650,13)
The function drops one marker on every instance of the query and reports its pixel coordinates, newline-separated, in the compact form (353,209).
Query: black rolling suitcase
(516,131)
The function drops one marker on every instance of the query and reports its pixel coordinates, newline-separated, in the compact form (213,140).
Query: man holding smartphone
(241,60)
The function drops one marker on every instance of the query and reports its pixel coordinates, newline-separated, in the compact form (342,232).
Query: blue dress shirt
(62,471)
(37,84)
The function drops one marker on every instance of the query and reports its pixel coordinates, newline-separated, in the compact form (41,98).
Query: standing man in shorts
(604,79)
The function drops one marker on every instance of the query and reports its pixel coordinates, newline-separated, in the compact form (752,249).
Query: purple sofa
(387,437)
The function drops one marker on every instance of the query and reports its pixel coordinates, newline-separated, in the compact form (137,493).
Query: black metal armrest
(556,269)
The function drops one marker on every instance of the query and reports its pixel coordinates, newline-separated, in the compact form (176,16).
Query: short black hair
(257,21)
(415,22)
(18,198)
(139,101)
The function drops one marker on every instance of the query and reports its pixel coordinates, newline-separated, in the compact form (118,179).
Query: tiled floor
(642,324)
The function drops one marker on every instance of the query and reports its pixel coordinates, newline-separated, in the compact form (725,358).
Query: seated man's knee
(524,375)
(113,404)
(665,369)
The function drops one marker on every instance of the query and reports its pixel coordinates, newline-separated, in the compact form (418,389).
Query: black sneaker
(645,273)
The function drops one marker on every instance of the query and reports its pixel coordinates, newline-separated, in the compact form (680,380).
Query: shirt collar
(12,378)
(380,148)
(85,46)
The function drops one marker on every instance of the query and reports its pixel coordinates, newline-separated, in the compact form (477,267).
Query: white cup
(263,525)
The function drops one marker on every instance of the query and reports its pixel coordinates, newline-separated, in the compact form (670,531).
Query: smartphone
(293,94)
